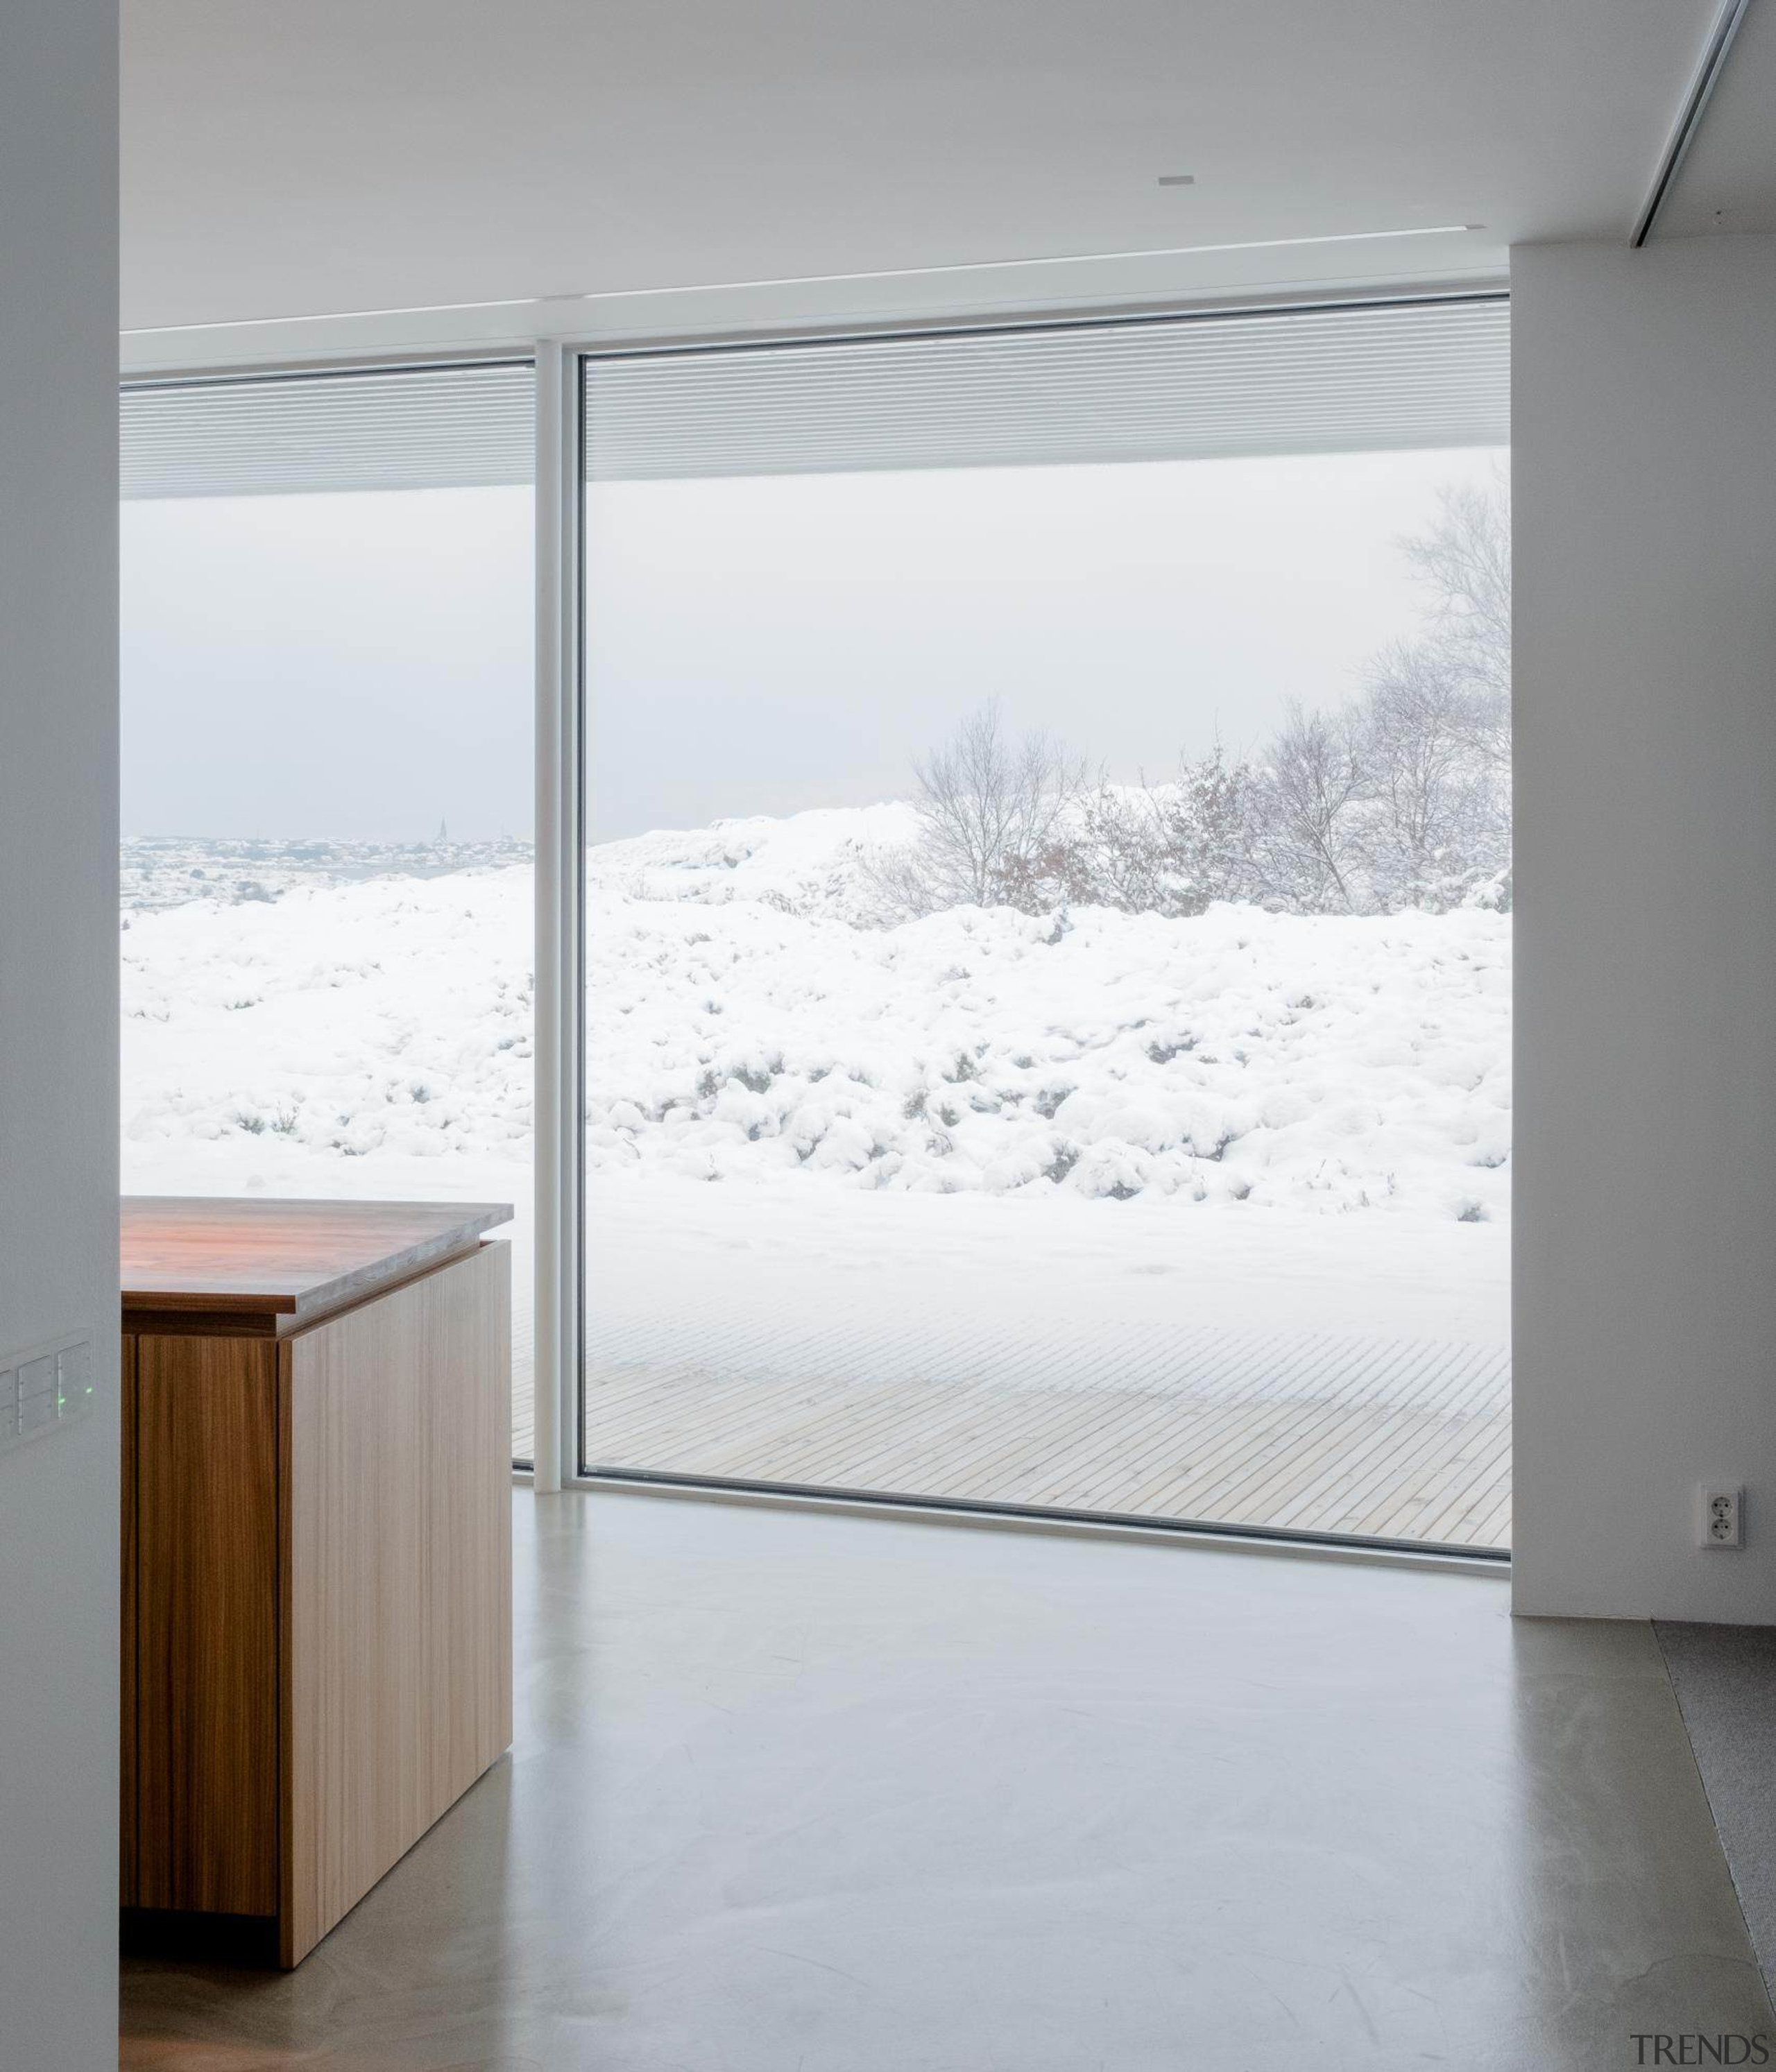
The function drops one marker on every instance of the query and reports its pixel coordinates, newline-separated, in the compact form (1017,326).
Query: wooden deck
(1390,1442)
(1310,1432)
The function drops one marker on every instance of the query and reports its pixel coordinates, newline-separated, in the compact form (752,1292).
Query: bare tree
(1466,558)
(1438,819)
(1305,835)
(1400,799)
(992,810)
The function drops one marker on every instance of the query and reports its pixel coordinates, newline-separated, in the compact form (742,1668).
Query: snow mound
(741,1029)
(1236,1057)
(815,862)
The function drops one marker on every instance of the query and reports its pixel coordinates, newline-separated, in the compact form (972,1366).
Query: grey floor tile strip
(1725,1677)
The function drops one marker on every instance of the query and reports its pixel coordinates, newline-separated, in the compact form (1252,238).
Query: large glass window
(327,786)
(1048,919)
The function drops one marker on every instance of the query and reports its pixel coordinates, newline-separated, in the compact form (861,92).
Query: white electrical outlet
(1720,1515)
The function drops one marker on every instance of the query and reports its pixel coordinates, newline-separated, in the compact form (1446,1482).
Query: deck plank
(1309,1458)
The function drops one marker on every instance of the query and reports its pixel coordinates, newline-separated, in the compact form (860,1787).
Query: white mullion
(555,1105)
(569,564)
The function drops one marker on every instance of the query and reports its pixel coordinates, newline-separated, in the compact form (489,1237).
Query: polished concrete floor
(797,1793)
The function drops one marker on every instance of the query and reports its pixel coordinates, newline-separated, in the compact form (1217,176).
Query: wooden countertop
(263,1267)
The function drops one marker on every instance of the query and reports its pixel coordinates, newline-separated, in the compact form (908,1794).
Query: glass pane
(1048,946)
(327,701)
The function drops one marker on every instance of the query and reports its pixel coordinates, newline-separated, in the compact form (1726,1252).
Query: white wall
(58,1021)
(1644,443)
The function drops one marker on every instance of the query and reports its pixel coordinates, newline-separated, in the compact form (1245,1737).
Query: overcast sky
(360,666)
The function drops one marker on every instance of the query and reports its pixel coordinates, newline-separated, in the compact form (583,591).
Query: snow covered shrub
(1111,1171)
(1170,848)
(1205,817)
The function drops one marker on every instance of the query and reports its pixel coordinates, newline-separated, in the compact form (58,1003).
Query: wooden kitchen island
(317,1553)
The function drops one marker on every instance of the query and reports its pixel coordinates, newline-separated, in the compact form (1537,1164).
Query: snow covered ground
(1207,1119)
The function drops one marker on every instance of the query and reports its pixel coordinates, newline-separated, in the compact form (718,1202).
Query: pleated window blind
(1309,381)
(1332,381)
(424,428)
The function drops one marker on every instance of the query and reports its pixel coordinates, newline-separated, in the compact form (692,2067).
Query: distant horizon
(305,839)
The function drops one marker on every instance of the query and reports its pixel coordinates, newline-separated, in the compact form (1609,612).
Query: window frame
(565,700)
(562,1280)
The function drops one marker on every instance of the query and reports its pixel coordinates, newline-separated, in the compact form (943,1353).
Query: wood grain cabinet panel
(317,1576)
(207,1626)
(126,1624)
(398,1579)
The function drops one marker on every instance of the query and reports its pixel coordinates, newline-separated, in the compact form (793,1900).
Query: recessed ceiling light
(1178,180)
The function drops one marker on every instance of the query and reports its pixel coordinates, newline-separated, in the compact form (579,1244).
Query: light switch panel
(36,1377)
(74,1376)
(34,1412)
(44,1388)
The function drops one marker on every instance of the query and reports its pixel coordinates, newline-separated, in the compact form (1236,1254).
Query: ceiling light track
(1709,67)
(820,280)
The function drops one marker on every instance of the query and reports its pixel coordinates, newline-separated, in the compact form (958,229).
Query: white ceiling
(1728,179)
(348,155)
